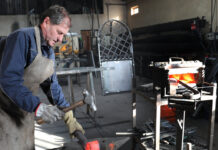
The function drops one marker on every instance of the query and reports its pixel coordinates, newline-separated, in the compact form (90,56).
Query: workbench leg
(134,102)
(157,121)
(91,88)
(70,88)
(180,118)
(212,118)
(78,74)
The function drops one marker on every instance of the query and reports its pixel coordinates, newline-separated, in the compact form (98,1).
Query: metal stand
(180,118)
(182,104)
(157,120)
(212,120)
(159,103)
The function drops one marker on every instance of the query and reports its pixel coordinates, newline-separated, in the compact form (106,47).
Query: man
(27,62)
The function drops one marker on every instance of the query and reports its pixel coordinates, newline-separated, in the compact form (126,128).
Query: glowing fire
(186,78)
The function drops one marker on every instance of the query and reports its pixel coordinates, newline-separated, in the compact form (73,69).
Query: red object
(193,26)
(93,145)
(37,109)
(168,113)
(111,146)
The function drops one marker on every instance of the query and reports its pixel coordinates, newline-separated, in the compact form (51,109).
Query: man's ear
(47,20)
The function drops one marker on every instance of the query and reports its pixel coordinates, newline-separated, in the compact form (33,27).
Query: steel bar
(67,71)
(91,87)
(212,120)
(70,88)
(188,87)
(189,146)
(134,103)
(157,122)
(180,129)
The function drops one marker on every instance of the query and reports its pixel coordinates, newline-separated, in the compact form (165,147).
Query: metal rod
(70,88)
(92,86)
(212,121)
(188,87)
(91,89)
(81,70)
(189,146)
(93,61)
(180,129)
(157,123)
(134,103)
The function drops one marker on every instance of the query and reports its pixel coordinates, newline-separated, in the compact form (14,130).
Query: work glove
(48,113)
(72,123)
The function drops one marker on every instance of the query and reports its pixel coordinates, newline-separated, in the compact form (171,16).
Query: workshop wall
(9,23)
(156,11)
(113,9)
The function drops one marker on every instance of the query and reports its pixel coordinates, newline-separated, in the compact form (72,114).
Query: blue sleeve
(11,72)
(57,93)
(55,88)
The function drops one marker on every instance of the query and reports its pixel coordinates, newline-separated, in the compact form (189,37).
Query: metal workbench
(90,83)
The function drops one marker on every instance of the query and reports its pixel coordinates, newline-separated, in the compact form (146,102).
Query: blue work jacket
(19,52)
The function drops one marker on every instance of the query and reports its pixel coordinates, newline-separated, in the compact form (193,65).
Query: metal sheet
(119,79)
(116,50)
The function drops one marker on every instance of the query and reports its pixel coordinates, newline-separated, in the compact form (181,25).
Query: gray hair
(56,14)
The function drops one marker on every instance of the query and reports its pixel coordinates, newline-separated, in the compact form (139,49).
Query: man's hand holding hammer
(50,114)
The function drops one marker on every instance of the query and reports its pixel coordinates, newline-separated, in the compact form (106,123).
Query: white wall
(115,8)
(162,11)
(79,21)
(7,22)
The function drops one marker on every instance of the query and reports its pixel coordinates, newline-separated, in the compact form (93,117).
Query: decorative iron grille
(114,42)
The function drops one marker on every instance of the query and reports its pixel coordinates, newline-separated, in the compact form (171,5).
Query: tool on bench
(87,99)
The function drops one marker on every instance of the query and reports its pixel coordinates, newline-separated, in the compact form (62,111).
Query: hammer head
(89,99)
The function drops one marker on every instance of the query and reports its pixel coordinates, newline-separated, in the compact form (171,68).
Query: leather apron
(17,125)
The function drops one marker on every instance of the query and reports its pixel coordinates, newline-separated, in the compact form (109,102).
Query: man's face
(54,33)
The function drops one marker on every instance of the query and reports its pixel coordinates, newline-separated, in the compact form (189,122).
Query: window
(134,10)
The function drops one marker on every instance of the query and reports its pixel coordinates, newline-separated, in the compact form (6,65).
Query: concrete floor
(113,115)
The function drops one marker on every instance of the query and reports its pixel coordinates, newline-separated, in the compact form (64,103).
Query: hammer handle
(71,107)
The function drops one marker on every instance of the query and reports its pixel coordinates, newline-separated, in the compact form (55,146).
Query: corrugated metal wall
(11,7)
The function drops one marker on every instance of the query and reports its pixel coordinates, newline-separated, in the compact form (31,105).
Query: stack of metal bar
(146,136)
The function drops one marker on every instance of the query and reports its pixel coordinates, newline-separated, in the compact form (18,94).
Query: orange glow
(186,78)
(63,48)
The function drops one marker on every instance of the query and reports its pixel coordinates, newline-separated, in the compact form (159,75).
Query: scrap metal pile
(146,136)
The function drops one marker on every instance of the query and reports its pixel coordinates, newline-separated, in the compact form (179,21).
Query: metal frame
(212,120)
(90,83)
(159,101)
(181,116)
(115,46)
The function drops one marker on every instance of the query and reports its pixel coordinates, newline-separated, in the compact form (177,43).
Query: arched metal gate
(116,50)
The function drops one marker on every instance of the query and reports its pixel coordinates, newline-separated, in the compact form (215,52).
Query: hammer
(87,99)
